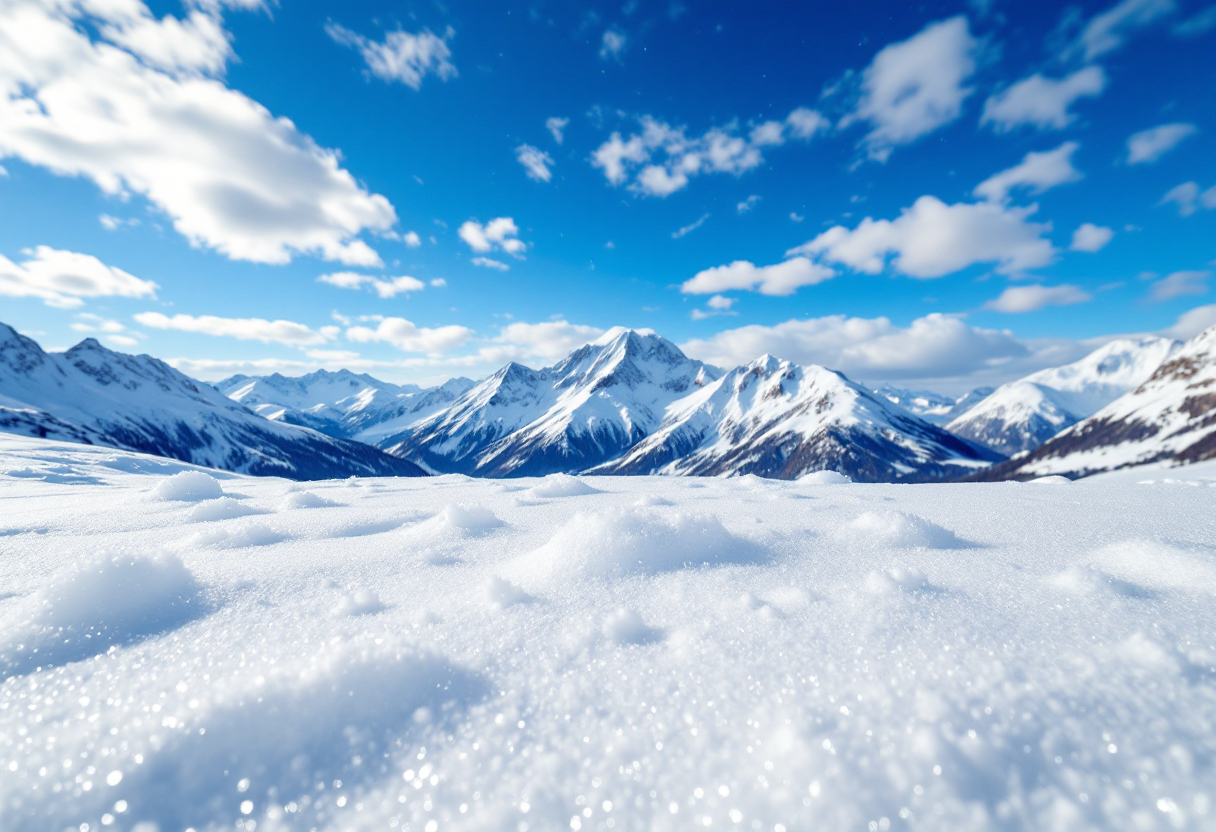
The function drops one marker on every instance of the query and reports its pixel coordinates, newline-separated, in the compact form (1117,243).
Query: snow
(730,654)
(188,487)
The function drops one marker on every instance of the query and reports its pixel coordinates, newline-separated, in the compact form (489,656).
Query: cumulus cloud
(612,44)
(1020,299)
(536,162)
(1090,237)
(778,279)
(1188,198)
(62,278)
(1148,146)
(747,204)
(932,239)
(407,337)
(401,56)
(557,128)
(1037,172)
(1192,322)
(662,159)
(1107,31)
(547,341)
(1178,284)
(244,329)
(499,234)
(385,287)
(915,86)
(715,306)
(136,105)
(1042,102)
(411,239)
(933,348)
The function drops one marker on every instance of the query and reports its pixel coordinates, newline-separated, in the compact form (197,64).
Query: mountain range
(96,396)
(628,403)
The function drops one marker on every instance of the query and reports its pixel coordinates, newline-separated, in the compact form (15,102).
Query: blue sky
(941,197)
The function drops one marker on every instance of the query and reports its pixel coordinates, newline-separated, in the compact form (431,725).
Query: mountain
(587,409)
(933,407)
(1169,418)
(342,404)
(777,419)
(1021,415)
(93,395)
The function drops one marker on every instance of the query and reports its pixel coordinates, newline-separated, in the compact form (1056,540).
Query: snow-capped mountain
(93,395)
(1022,414)
(587,409)
(342,404)
(1169,418)
(933,407)
(777,419)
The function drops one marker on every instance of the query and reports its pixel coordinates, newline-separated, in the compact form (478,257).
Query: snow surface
(660,653)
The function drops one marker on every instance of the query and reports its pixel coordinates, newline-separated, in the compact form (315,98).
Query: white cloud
(1107,31)
(612,44)
(87,322)
(402,56)
(1192,322)
(1188,199)
(500,233)
(663,158)
(112,223)
(1043,102)
(535,161)
(691,227)
(915,86)
(548,341)
(933,348)
(1020,299)
(557,127)
(407,337)
(717,305)
(1178,284)
(244,329)
(387,287)
(932,239)
(146,117)
(1090,237)
(747,204)
(62,278)
(411,239)
(1037,172)
(439,282)
(1150,145)
(779,279)
(490,263)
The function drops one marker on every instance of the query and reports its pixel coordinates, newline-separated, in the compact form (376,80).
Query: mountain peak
(622,333)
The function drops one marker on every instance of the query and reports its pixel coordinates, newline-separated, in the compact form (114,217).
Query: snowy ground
(628,653)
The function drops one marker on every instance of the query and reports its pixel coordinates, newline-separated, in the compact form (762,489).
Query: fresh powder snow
(192,649)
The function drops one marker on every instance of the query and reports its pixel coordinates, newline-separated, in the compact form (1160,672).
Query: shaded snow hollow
(649,653)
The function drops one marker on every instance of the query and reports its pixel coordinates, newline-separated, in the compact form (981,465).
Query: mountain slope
(93,395)
(342,404)
(1022,414)
(933,407)
(1171,418)
(776,419)
(587,409)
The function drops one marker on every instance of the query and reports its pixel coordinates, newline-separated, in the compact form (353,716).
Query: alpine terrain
(93,395)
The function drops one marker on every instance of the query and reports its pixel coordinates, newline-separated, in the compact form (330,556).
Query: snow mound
(464,520)
(187,487)
(899,530)
(225,508)
(652,501)
(560,485)
(1054,479)
(1157,566)
(625,626)
(634,542)
(306,499)
(359,602)
(898,579)
(824,478)
(238,536)
(84,610)
(501,593)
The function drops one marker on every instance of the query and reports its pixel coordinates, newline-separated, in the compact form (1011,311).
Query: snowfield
(183,648)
